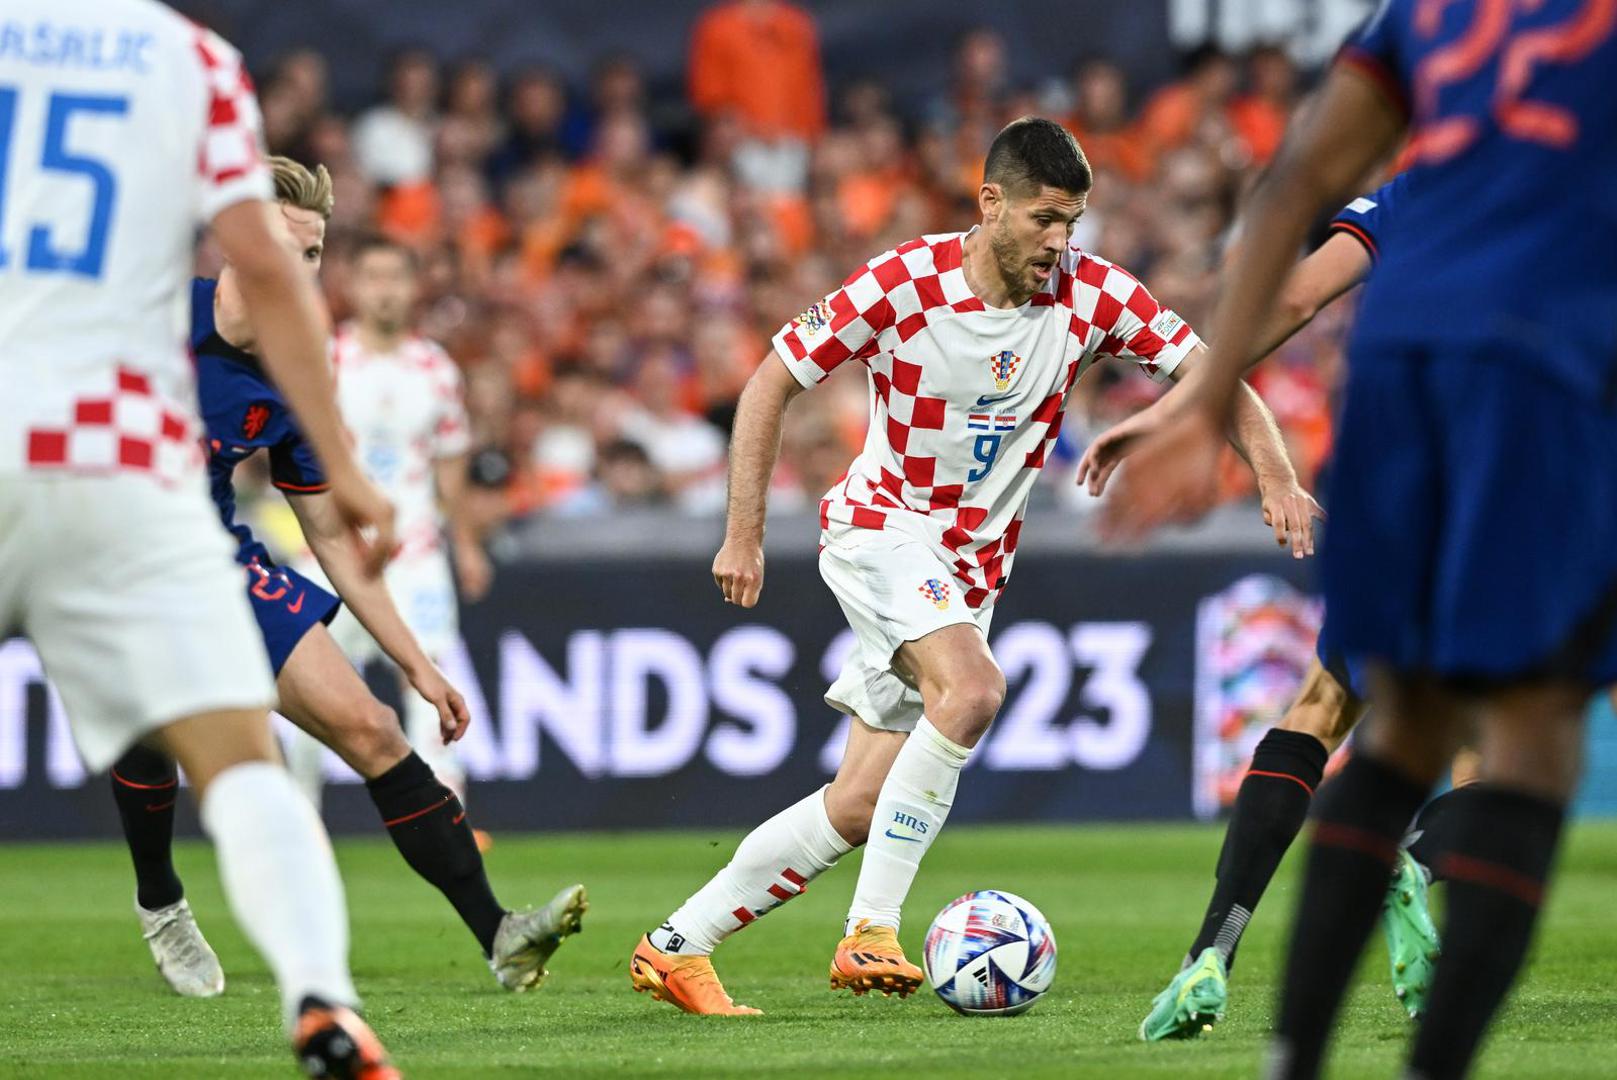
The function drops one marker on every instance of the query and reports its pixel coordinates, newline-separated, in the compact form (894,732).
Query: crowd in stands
(608,265)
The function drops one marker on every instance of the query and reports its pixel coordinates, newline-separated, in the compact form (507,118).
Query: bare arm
(1353,127)
(754,449)
(367,597)
(1335,144)
(289,328)
(1329,271)
(465,540)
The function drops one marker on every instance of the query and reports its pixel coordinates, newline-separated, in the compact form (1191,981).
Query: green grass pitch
(82,999)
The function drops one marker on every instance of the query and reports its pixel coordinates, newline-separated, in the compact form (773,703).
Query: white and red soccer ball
(990,953)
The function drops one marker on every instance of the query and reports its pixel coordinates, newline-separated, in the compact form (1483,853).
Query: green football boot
(1412,941)
(1192,1003)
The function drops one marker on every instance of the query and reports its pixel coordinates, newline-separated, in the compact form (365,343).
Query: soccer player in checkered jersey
(111,558)
(401,398)
(973,343)
(1473,557)
(315,686)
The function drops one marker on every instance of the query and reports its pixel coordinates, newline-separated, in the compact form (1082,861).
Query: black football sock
(1269,812)
(1433,831)
(1359,818)
(429,828)
(1498,860)
(145,784)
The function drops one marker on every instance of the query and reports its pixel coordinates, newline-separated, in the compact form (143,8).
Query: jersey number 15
(43,254)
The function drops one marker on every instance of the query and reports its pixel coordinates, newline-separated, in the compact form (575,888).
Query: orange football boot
(334,1043)
(870,958)
(686,981)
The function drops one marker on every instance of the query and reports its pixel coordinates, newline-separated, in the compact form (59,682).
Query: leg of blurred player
(774,863)
(1269,811)
(274,858)
(961,691)
(145,784)
(322,693)
(1497,864)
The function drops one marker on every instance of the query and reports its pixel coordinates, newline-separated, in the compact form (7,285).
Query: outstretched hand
(1172,477)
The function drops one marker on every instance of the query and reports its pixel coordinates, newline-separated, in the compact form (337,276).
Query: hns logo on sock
(1002,365)
(935,591)
(909,821)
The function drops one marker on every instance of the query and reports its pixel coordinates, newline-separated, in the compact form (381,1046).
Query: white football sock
(426,739)
(279,875)
(774,863)
(914,801)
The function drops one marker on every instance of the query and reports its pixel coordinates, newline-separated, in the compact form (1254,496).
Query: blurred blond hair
(297,185)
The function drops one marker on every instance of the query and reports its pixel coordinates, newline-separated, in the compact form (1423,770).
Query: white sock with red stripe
(774,863)
(914,802)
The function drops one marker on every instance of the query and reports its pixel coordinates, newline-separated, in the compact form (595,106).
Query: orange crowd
(608,264)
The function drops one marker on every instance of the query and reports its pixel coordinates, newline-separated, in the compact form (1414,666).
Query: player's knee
(973,701)
(374,741)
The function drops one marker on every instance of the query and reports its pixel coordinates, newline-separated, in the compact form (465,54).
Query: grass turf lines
(83,1000)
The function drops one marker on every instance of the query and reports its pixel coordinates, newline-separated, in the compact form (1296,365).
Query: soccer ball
(990,953)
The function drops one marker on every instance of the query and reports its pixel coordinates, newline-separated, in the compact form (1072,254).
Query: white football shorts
(130,593)
(893,589)
(424,592)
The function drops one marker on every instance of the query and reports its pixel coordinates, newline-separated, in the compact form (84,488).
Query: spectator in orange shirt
(1259,116)
(1175,113)
(760,59)
(1100,121)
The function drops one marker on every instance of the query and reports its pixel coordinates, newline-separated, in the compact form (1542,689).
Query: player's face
(383,288)
(305,236)
(1030,233)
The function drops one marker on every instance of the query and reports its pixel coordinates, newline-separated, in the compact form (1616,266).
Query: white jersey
(406,411)
(122,128)
(966,400)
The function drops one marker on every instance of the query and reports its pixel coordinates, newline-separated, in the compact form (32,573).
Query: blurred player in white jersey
(122,128)
(973,343)
(400,396)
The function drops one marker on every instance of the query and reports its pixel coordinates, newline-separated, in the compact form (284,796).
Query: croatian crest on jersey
(252,424)
(936,591)
(1002,365)
(816,318)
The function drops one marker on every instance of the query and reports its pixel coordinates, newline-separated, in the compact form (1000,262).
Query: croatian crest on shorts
(1002,365)
(936,591)
(816,318)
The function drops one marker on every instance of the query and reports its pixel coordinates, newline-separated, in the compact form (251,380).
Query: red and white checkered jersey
(406,411)
(967,399)
(123,127)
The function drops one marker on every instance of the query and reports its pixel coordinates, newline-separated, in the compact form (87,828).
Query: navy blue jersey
(243,413)
(1369,216)
(1512,193)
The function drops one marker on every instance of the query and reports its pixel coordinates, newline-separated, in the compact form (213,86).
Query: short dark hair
(370,242)
(1034,152)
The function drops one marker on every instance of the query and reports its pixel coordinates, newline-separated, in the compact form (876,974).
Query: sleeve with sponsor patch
(1367,218)
(230,158)
(294,468)
(841,327)
(1138,328)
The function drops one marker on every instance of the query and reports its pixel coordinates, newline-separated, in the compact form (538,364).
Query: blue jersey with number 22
(1510,205)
